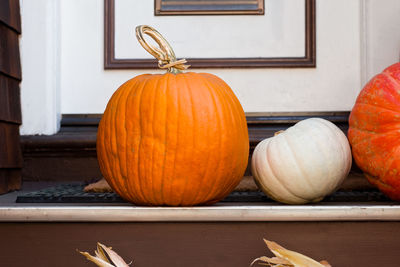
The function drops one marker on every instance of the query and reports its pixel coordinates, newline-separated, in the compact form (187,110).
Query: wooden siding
(10,107)
(9,14)
(233,244)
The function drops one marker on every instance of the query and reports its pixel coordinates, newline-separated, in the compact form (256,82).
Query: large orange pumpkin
(374,132)
(173,139)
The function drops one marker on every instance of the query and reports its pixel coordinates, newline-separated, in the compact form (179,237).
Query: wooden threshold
(217,213)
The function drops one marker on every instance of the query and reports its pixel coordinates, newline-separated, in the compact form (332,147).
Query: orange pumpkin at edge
(176,139)
(374,131)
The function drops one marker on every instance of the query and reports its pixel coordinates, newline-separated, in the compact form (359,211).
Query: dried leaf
(115,258)
(100,186)
(258,259)
(98,261)
(103,254)
(295,258)
(100,253)
(275,261)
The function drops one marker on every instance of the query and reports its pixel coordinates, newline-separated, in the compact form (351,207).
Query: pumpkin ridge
(167,78)
(212,91)
(219,92)
(100,155)
(233,110)
(140,124)
(373,91)
(269,192)
(127,191)
(336,136)
(121,102)
(195,125)
(273,172)
(387,162)
(198,195)
(369,169)
(107,147)
(394,81)
(346,149)
(188,91)
(137,90)
(221,106)
(151,135)
(371,136)
(125,181)
(329,131)
(113,141)
(100,152)
(369,104)
(109,152)
(173,176)
(229,184)
(374,136)
(378,182)
(173,133)
(299,167)
(154,194)
(235,161)
(352,128)
(128,186)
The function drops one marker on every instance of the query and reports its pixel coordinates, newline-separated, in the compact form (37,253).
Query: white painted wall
(278,33)
(346,55)
(333,85)
(39,49)
(382,35)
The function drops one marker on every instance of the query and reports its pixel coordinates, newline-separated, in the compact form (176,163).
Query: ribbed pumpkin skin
(173,139)
(304,163)
(374,131)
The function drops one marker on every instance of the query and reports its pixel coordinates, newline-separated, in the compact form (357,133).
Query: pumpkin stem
(278,132)
(165,54)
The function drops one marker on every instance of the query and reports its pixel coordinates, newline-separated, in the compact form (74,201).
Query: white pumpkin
(302,164)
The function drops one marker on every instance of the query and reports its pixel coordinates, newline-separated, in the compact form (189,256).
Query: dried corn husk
(287,258)
(105,257)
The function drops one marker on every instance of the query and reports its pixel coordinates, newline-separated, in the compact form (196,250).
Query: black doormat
(73,193)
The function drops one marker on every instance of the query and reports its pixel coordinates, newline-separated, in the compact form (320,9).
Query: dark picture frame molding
(188,7)
(308,61)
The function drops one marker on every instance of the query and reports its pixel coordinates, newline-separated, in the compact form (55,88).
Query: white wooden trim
(215,213)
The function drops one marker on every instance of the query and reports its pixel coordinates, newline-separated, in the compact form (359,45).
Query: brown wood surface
(9,52)
(10,179)
(61,168)
(9,14)
(10,150)
(308,61)
(10,106)
(230,244)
